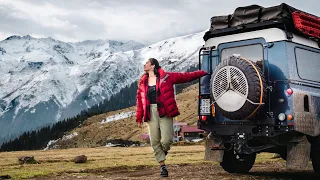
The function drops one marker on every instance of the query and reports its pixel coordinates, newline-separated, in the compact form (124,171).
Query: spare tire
(238,88)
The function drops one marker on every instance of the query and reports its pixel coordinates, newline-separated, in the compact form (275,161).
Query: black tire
(243,164)
(249,69)
(315,157)
(283,155)
(315,152)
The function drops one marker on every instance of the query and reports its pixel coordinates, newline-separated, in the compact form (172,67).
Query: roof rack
(254,17)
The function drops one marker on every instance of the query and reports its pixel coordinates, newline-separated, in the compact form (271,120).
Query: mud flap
(212,154)
(298,154)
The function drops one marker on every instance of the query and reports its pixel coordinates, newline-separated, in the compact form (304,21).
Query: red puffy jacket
(166,102)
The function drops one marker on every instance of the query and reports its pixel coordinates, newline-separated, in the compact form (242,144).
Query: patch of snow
(197,140)
(70,136)
(51,144)
(86,102)
(111,145)
(118,117)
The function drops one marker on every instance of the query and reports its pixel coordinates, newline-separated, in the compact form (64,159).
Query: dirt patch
(270,170)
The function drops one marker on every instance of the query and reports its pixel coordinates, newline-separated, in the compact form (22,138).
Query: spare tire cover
(238,88)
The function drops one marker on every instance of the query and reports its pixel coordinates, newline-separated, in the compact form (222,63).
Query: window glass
(205,62)
(250,52)
(308,64)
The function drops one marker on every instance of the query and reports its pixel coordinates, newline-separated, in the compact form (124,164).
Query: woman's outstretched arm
(183,77)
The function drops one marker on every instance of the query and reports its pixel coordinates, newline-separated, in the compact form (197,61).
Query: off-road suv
(262,93)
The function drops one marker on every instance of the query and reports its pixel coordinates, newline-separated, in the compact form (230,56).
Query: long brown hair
(154,62)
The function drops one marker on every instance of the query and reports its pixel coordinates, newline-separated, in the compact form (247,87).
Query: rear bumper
(261,130)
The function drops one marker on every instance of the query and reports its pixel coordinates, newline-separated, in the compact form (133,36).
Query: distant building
(181,131)
(190,132)
(177,129)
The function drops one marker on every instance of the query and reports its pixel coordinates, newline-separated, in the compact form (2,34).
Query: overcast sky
(144,21)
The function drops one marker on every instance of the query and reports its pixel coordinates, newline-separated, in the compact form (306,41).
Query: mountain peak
(14,37)
(47,80)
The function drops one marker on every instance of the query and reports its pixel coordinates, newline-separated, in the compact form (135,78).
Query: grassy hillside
(93,134)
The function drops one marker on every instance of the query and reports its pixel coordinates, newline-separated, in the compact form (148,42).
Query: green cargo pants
(161,133)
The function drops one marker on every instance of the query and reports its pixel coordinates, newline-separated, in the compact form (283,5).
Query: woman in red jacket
(156,105)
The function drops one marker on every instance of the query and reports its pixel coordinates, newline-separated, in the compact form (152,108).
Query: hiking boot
(164,171)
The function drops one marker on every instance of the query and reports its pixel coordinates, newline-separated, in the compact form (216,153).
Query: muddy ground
(270,170)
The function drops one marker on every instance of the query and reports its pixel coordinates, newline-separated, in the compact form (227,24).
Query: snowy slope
(44,80)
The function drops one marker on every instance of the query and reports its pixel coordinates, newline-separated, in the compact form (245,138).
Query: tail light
(290,117)
(203,118)
(213,110)
(289,91)
(281,116)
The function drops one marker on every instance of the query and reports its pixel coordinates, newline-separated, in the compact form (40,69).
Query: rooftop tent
(255,17)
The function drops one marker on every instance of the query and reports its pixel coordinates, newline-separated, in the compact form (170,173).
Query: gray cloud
(145,21)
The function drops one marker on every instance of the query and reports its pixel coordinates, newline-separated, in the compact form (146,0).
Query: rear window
(205,62)
(308,64)
(205,80)
(252,52)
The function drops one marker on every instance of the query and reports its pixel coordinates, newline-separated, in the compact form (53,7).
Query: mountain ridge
(46,80)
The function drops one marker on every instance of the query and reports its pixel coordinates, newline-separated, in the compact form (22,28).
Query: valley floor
(184,162)
(273,170)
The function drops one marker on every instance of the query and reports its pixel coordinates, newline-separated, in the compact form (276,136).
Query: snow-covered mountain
(43,80)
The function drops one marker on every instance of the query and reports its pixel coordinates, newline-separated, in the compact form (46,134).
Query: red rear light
(203,118)
(199,96)
(289,91)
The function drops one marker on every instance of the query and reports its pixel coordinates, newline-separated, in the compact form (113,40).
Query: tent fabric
(251,15)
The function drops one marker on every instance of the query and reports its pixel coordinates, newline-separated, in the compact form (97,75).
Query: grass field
(55,162)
